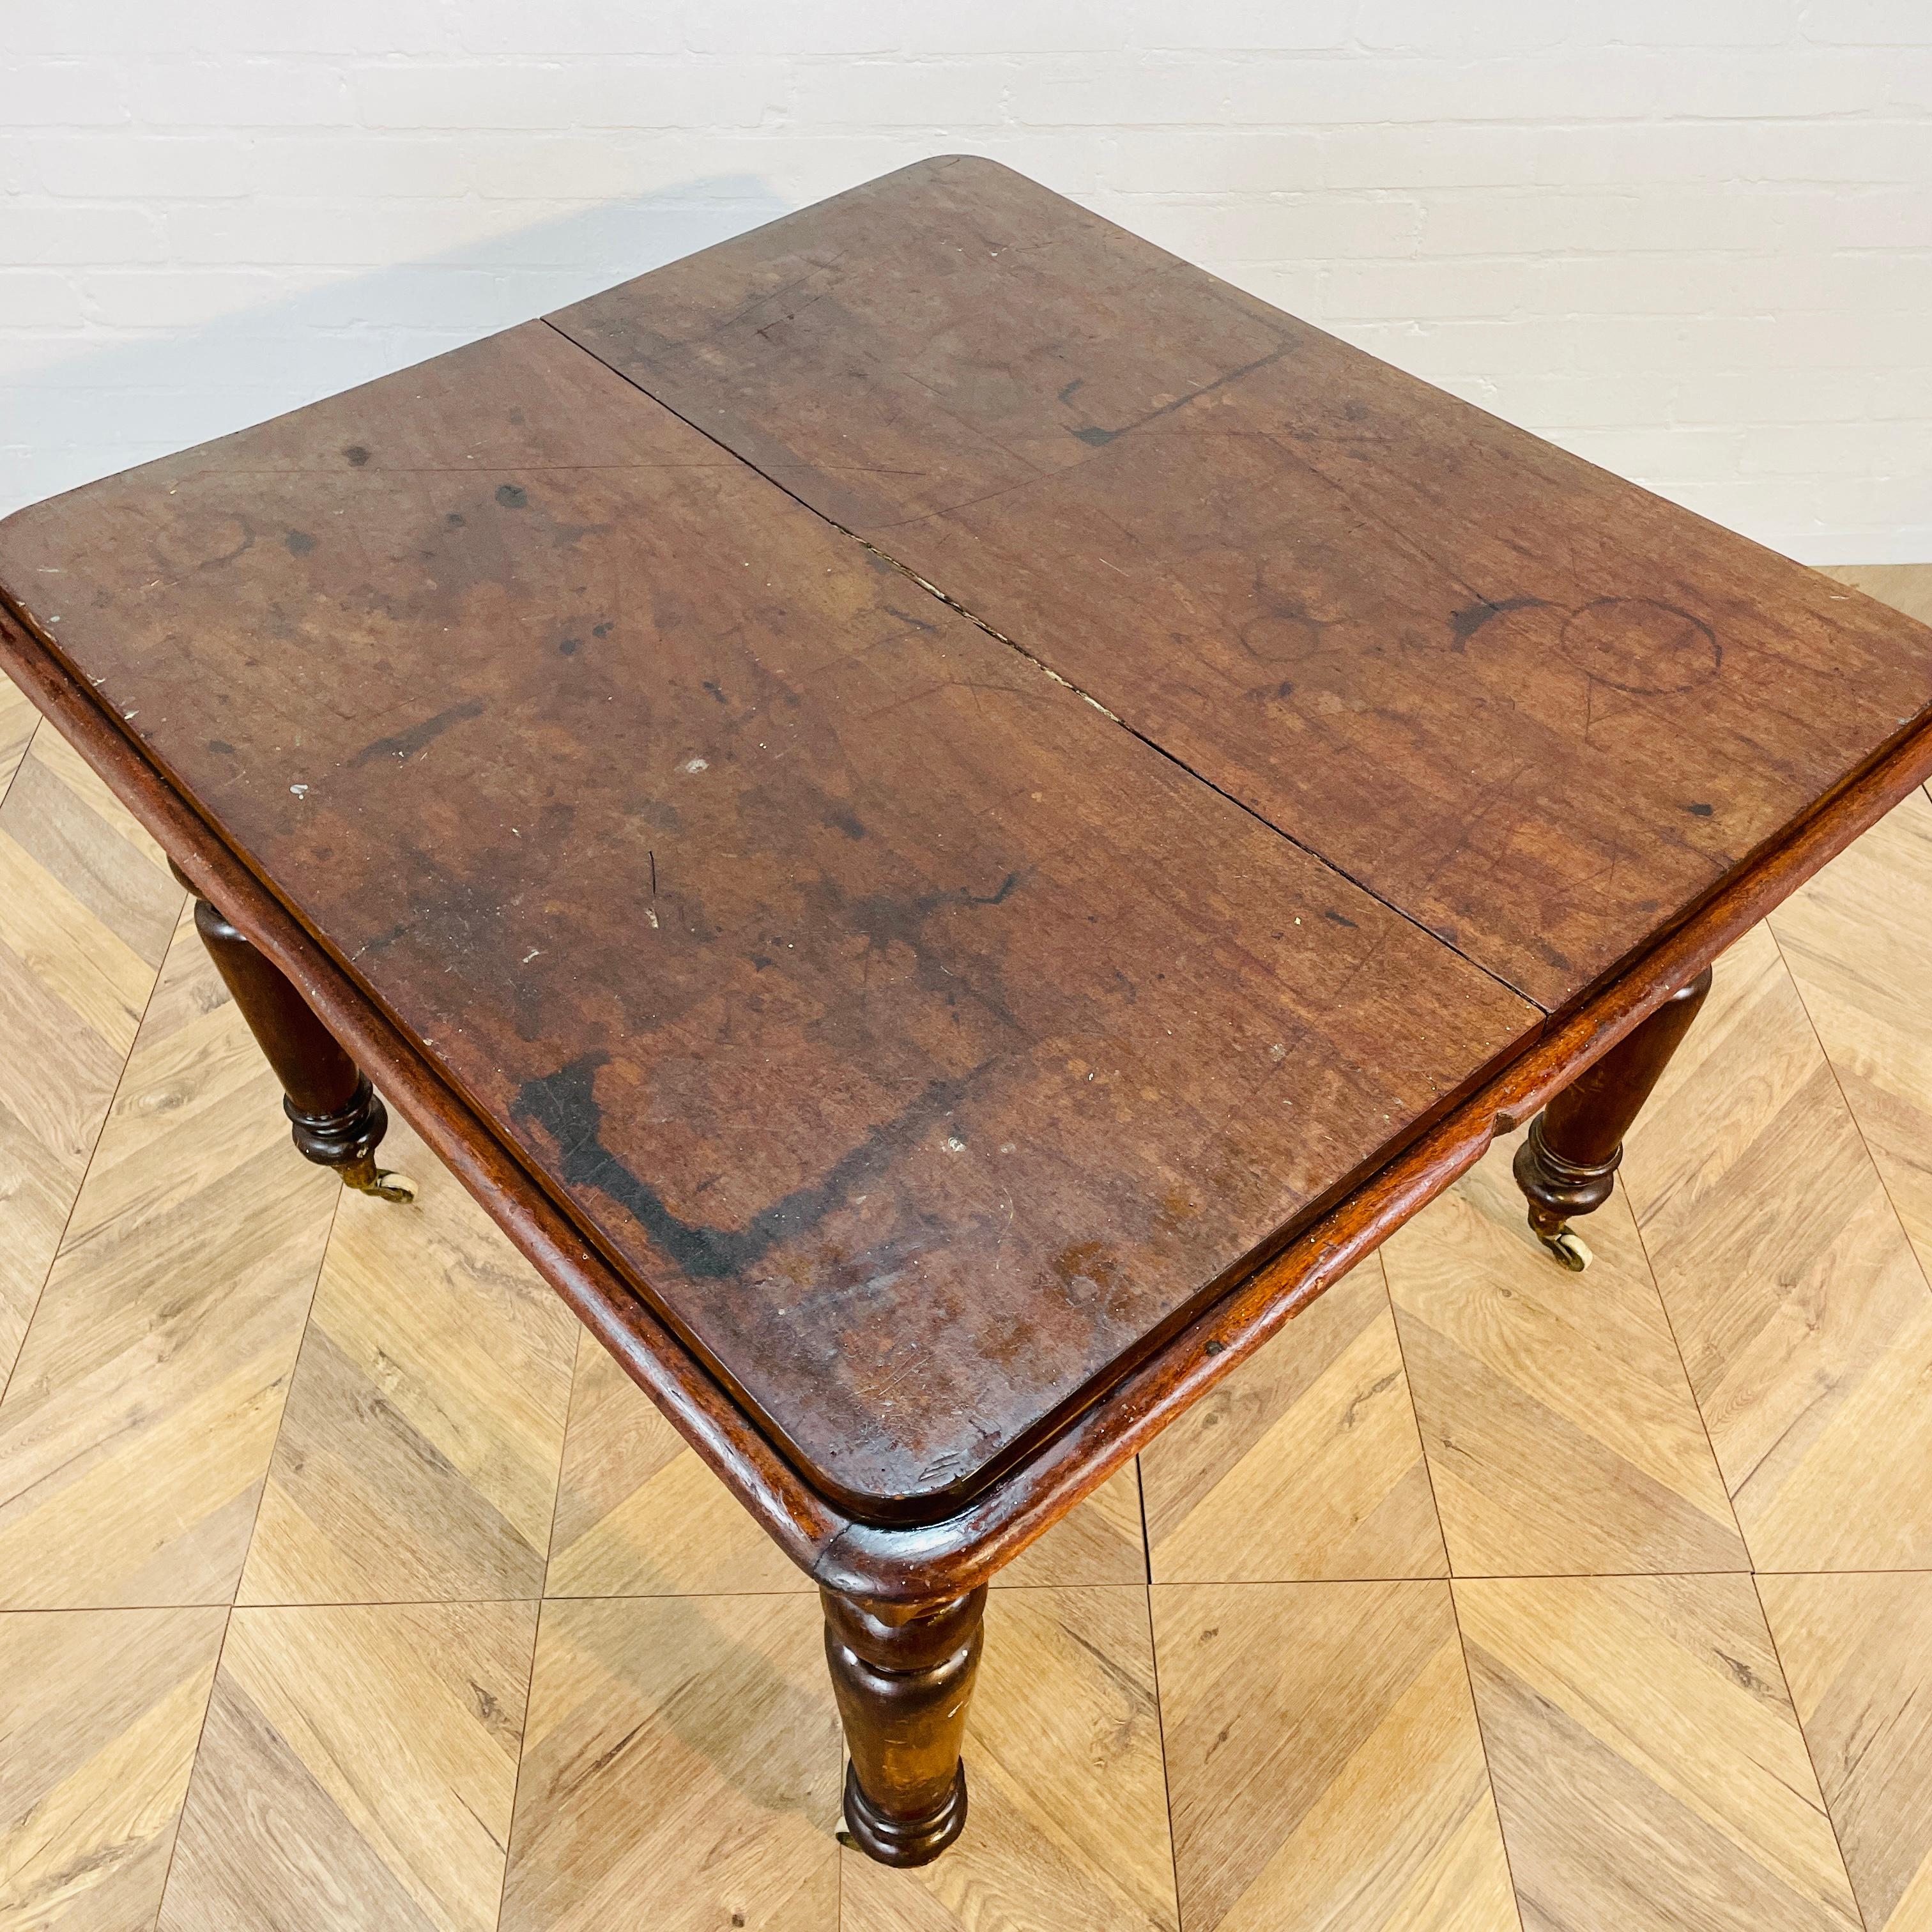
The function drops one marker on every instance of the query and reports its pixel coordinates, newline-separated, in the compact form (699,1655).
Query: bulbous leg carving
(904,1674)
(337,1120)
(1567,1165)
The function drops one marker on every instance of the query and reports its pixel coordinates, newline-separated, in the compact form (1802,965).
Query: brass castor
(366,1178)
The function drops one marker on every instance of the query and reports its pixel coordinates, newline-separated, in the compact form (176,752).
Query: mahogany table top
(945,783)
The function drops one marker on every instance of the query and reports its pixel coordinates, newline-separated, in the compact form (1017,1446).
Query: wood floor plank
(86,913)
(1857,940)
(1304,1463)
(137,1426)
(1857,1652)
(681,1769)
(61,827)
(100,1712)
(1805,1322)
(1561,1433)
(639,1515)
(418,1456)
(1323,1766)
(102,980)
(60,1077)
(358,1770)
(18,722)
(1649,1769)
(79,777)
(1102,1541)
(1068,1823)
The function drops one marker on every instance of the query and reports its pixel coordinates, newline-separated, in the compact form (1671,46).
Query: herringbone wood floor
(343,1587)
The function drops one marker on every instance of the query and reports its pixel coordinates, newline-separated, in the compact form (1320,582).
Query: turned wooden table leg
(337,1119)
(904,1674)
(1568,1163)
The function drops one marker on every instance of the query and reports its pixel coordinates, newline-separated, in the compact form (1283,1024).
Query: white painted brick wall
(1691,239)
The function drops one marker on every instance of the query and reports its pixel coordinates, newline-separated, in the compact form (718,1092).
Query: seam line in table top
(1039,663)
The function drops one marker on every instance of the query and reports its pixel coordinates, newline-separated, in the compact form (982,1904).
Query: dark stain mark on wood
(568,647)
(999,897)
(884,919)
(221,748)
(404,743)
(716,690)
(1465,623)
(1093,1262)
(1098,438)
(382,941)
(1329,912)
(357,455)
(300,543)
(1700,810)
(846,821)
(1262,637)
(1641,646)
(513,496)
(1175,1211)
(563,1105)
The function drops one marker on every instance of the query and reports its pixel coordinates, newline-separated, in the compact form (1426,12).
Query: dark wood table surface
(947,818)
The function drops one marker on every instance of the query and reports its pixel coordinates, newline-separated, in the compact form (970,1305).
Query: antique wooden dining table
(947,818)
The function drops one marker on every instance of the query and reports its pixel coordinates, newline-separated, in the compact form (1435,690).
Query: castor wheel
(1568,1247)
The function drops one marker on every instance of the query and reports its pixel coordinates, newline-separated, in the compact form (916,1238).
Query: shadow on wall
(146,391)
